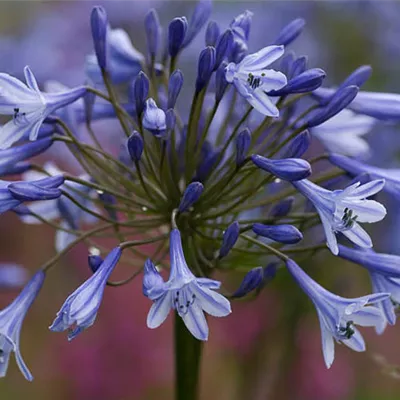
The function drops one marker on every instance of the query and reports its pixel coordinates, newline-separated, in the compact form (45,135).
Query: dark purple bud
(220,82)
(287,234)
(340,100)
(270,272)
(299,145)
(290,32)
(282,208)
(299,66)
(205,67)
(94,262)
(223,48)
(303,83)
(212,33)
(99,25)
(153,31)
(198,19)
(190,196)
(176,35)
(243,142)
(229,239)
(174,87)
(251,281)
(288,169)
(140,92)
(135,146)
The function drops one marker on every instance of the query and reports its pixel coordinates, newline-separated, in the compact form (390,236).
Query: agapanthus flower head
(28,106)
(252,78)
(11,319)
(342,210)
(338,315)
(79,311)
(183,292)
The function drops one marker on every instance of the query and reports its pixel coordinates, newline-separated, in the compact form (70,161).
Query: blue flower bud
(299,145)
(99,25)
(209,157)
(109,201)
(174,87)
(135,146)
(220,82)
(303,83)
(298,67)
(140,92)
(205,67)
(223,48)
(152,280)
(10,158)
(94,262)
(357,77)
(170,121)
(287,234)
(289,169)
(286,64)
(341,99)
(270,272)
(229,239)
(243,142)
(212,33)
(290,32)
(154,119)
(43,189)
(190,196)
(198,19)
(153,31)
(251,281)
(282,208)
(88,101)
(176,35)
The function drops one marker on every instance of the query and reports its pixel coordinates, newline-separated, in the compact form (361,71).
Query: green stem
(187,362)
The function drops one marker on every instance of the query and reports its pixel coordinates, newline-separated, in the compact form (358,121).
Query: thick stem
(187,362)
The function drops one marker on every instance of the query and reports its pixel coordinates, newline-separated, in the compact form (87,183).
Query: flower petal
(211,302)
(196,322)
(358,236)
(159,311)
(356,342)
(262,103)
(262,58)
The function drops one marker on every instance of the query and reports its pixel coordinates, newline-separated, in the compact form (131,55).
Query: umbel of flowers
(188,193)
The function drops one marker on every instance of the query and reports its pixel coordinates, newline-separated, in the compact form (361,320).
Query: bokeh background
(269,348)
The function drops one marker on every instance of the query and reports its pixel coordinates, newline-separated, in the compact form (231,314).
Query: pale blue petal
(356,342)
(358,236)
(208,283)
(196,322)
(262,103)
(22,366)
(212,302)
(159,311)
(328,344)
(262,58)
(31,80)
(365,210)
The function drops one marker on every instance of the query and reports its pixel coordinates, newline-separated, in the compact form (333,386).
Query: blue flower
(79,311)
(341,210)
(344,133)
(338,315)
(188,295)
(123,61)
(384,272)
(11,319)
(355,168)
(252,79)
(28,106)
